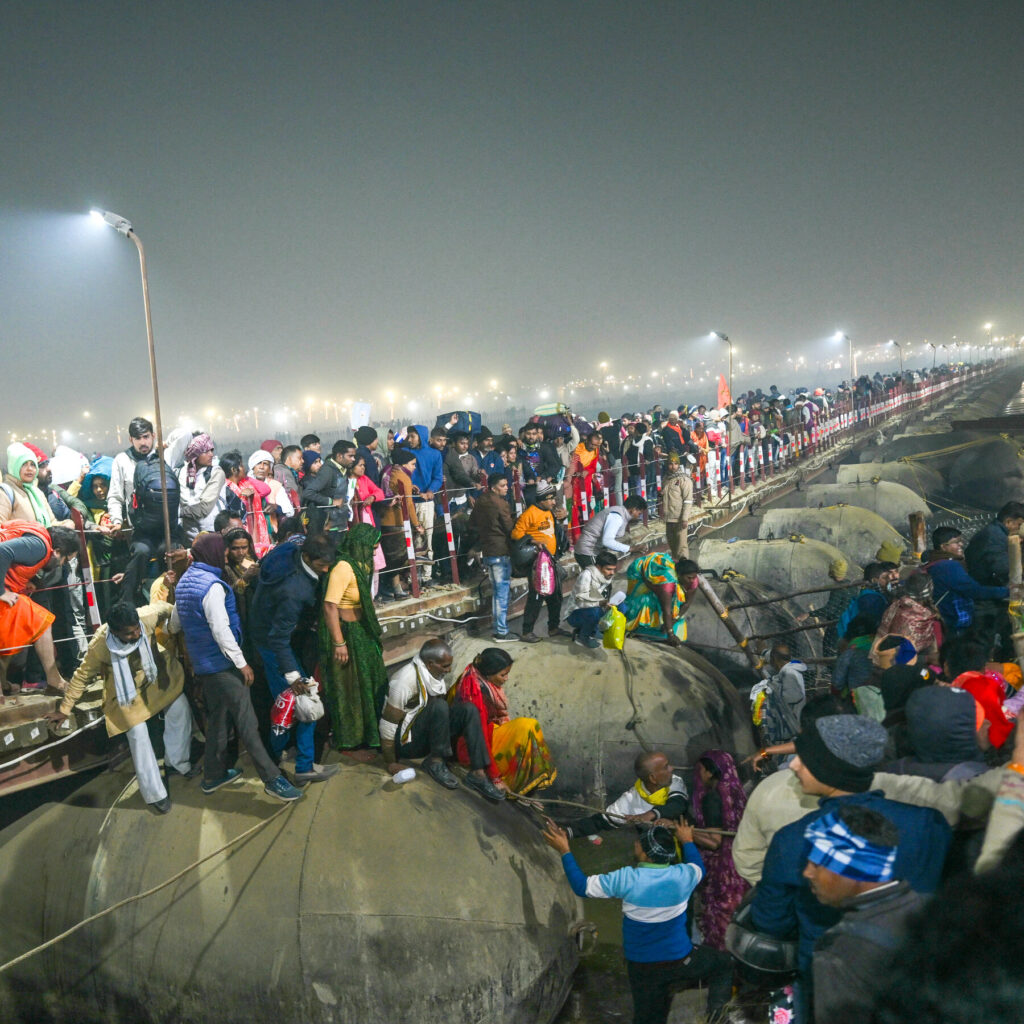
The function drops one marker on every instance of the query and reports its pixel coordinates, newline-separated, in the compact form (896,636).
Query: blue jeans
(500,569)
(303,730)
(585,620)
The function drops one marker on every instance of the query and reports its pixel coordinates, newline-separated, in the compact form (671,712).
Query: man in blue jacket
(655,894)
(835,760)
(284,615)
(955,590)
(427,478)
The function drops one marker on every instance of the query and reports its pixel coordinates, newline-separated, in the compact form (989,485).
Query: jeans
(585,620)
(304,742)
(499,567)
(652,985)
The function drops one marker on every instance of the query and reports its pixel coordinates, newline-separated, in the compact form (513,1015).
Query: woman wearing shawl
(520,759)
(365,492)
(251,493)
(656,594)
(718,803)
(277,505)
(93,493)
(915,616)
(351,662)
(201,483)
(20,498)
(579,481)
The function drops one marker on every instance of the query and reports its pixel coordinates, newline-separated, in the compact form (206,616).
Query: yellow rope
(952,449)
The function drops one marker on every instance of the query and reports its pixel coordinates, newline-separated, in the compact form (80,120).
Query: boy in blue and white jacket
(655,895)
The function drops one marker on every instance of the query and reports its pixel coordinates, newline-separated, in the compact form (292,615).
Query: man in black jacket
(988,562)
(850,868)
(326,494)
(283,625)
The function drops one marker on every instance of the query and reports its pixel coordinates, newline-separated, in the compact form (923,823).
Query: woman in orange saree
(520,759)
(579,482)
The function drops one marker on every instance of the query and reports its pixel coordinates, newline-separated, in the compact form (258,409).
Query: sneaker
(505,638)
(485,788)
(530,638)
(588,641)
(282,789)
(33,687)
(318,773)
(162,806)
(440,772)
(232,775)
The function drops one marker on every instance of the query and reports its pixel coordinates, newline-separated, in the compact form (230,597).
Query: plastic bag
(308,706)
(545,579)
(615,634)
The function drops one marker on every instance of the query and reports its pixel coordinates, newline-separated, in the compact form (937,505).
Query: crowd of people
(260,624)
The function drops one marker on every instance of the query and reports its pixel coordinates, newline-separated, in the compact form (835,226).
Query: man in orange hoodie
(538,523)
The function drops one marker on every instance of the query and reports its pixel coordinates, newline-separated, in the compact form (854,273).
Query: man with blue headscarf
(850,866)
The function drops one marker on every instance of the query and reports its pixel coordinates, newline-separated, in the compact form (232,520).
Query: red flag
(724,398)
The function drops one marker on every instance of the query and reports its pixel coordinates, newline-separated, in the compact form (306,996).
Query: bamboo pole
(742,642)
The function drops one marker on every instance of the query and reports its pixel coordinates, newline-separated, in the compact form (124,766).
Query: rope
(612,814)
(142,895)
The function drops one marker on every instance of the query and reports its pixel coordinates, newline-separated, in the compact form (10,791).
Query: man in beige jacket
(677,496)
(141,678)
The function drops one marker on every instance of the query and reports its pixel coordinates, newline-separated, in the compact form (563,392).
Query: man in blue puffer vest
(205,611)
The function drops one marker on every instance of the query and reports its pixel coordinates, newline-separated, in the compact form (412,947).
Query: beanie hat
(40,456)
(890,551)
(842,751)
(400,456)
(603,417)
(309,457)
(366,435)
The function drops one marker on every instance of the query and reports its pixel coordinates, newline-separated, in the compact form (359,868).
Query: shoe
(400,595)
(588,641)
(506,638)
(558,631)
(530,638)
(232,775)
(162,806)
(318,773)
(196,769)
(485,788)
(33,687)
(282,789)
(440,772)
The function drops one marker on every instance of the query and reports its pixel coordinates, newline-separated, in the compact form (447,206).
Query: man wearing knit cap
(851,867)
(366,438)
(835,760)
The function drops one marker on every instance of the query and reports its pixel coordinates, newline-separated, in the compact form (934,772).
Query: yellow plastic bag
(615,634)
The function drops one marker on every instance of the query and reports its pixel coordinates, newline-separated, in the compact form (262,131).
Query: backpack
(147,514)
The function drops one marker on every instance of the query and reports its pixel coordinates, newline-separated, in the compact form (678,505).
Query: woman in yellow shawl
(579,481)
(520,759)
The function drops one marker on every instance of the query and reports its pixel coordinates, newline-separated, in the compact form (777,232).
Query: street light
(932,347)
(899,348)
(725,338)
(124,227)
(839,336)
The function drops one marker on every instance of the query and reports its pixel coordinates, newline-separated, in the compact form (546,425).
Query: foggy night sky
(336,198)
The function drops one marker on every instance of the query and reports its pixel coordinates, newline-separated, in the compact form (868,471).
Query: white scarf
(124,679)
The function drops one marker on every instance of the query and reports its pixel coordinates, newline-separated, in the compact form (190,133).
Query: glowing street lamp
(840,336)
(124,227)
(899,348)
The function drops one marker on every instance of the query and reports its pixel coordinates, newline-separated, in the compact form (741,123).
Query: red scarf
(255,520)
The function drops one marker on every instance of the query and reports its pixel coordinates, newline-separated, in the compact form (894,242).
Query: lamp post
(932,347)
(840,336)
(725,338)
(899,348)
(124,227)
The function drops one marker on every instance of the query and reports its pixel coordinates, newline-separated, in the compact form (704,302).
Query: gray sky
(340,197)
